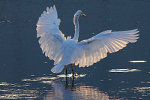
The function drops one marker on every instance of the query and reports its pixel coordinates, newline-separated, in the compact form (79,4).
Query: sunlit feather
(66,51)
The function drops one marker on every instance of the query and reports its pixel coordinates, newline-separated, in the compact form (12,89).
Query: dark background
(21,56)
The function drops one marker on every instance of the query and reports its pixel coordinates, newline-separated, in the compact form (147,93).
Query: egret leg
(72,88)
(66,70)
(72,70)
(66,85)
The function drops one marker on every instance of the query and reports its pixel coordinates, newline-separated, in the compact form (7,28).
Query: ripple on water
(145,91)
(53,78)
(70,75)
(5,21)
(138,61)
(16,91)
(123,70)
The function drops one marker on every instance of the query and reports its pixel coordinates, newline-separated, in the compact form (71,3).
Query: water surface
(25,71)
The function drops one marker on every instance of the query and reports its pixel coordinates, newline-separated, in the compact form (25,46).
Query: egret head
(80,13)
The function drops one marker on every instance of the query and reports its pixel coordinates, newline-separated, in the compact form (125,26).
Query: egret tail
(58,68)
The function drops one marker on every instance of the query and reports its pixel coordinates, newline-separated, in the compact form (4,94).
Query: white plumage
(66,51)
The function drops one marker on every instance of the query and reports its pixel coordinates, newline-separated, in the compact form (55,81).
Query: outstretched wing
(94,49)
(50,37)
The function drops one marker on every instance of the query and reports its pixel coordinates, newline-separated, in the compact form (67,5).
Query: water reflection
(63,88)
(142,89)
(53,78)
(124,70)
(138,61)
(70,75)
(145,91)
(5,21)
(48,87)
(61,92)
(90,93)
(16,91)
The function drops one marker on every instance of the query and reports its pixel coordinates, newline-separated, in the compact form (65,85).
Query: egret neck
(76,23)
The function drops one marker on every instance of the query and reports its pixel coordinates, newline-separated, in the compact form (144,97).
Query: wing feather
(50,37)
(96,48)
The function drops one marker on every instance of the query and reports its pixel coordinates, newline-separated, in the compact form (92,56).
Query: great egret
(65,51)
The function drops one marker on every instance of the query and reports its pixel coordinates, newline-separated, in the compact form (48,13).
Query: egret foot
(66,84)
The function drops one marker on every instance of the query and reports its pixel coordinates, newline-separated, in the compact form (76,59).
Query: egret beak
(84,15)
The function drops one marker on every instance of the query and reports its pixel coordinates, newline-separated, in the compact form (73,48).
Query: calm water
(25,71)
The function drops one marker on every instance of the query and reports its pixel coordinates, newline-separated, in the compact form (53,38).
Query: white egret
(65,51)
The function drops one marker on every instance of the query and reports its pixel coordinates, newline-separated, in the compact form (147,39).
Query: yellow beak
(83,15)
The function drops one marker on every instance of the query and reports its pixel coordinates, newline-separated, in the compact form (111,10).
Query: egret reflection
(67,90)
(71,92)
(77,93)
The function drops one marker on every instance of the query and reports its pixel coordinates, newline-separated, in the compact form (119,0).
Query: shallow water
(25,71)
(119,85)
